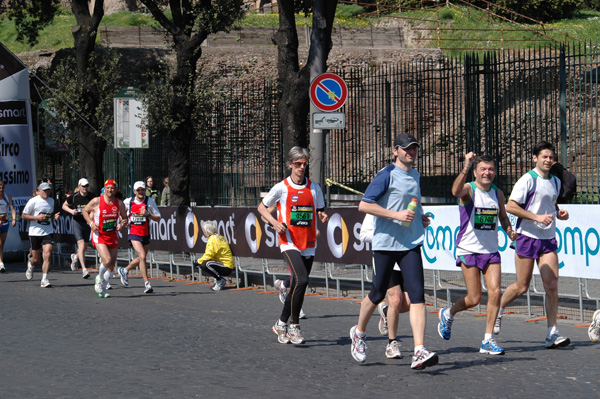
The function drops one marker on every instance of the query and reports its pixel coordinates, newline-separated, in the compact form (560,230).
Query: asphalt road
(185,341)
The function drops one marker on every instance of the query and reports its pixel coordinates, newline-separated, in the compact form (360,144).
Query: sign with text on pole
(328,93)
(131,121)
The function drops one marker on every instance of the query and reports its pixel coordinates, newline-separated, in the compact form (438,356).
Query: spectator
(151,191)
(166,193)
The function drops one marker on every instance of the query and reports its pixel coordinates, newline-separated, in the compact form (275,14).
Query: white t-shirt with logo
(36,206)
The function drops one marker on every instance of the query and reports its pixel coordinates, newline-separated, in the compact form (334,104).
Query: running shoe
(2,268)
(98,285)
(108,286)
(383,326)
(29,271)
(85,273)
(498,325)
(148,288)
(302,314)
(281,331)
(124,276)
(105,295)
(282,290)
(556,341)
(359,346)
(45,283)
(392,351)
(594,329)
(423,358)
(74,262)
(445,324)
(219,285)
(490,347)
(294,334)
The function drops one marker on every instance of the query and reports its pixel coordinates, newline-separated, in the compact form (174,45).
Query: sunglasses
(87,185)
(300,163)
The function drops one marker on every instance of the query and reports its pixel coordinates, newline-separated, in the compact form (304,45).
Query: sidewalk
(185,341)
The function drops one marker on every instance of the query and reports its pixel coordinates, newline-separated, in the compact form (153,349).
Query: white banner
(578,241)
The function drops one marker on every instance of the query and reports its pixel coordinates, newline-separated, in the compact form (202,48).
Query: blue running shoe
(445,324)
(490,347)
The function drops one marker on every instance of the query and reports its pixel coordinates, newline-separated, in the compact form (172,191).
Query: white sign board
(328,120)
(131,122)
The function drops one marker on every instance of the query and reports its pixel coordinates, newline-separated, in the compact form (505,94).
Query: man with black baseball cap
(398,236)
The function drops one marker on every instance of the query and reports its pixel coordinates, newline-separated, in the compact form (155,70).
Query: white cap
(45,186)
(84,182)
(138,184)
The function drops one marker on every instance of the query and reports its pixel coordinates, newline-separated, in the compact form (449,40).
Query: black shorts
(145,240)
(38,241)
(81,231)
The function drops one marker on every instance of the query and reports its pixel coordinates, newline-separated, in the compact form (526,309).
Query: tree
(30,16)
(190,24)
(293,81)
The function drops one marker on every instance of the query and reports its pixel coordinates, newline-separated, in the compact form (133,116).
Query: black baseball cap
(405,140)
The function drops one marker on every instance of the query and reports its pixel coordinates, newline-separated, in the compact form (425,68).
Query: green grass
(459,24)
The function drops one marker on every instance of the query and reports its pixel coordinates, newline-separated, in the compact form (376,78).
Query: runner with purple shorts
(481,205)
(533,202)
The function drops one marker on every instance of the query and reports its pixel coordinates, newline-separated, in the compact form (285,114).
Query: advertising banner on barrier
(17,168)
(338,242)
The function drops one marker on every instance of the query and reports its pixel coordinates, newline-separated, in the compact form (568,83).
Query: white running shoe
(302,314)
(45,283)
(282,290)
(383,326)
(498,325)
(85,273)
(74,262)
(423,358)
(295,335)
(359,346)
(2,268)
(219,285)
(148,288)
(281,331)
(594,329)
(124,276)
(392,351)
(556,341)
(29,271)
(98,286)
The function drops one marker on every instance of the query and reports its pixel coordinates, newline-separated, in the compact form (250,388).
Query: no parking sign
(328,92)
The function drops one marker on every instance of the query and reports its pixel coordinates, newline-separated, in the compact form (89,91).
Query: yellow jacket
(218,249)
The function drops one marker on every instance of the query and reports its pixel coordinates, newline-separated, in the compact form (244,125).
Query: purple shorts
(478,260)
(533,248)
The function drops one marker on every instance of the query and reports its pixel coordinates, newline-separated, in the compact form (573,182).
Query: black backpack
(568,183)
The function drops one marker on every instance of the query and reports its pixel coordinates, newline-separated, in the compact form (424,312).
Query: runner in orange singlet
(299,201)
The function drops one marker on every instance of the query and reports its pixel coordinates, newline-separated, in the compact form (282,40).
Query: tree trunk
(91,145)
(188,53)
(293,82)
(132,5)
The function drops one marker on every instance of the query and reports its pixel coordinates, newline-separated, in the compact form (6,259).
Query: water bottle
(411,207)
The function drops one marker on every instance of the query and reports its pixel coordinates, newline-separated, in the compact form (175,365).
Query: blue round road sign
(328,92)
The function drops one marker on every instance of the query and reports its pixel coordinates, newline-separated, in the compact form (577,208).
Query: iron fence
(500,104)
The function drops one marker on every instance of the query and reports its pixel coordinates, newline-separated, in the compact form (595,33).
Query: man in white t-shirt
(533,202)
(39,211)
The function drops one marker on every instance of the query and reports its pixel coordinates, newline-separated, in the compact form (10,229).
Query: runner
(399,234)
(217,259)
(533,202)
(109,218)
(140,213)
(6,204)
(81,230)
(299,202)
(39,211)
(398,300)
(481,205)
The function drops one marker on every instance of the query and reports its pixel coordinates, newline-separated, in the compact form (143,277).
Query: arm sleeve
(378,186)
(273,196)
(211,249)
(521,189)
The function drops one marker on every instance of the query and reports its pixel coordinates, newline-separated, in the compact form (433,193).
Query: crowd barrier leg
(435,282)
(580,284)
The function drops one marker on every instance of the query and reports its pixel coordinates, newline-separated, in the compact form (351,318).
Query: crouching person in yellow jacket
(217,260)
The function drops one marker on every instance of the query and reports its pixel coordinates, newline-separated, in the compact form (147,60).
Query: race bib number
(109,225)
(486,218)
(138,219)
(46,220)
(4,217)
(301,215)
(80,208)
